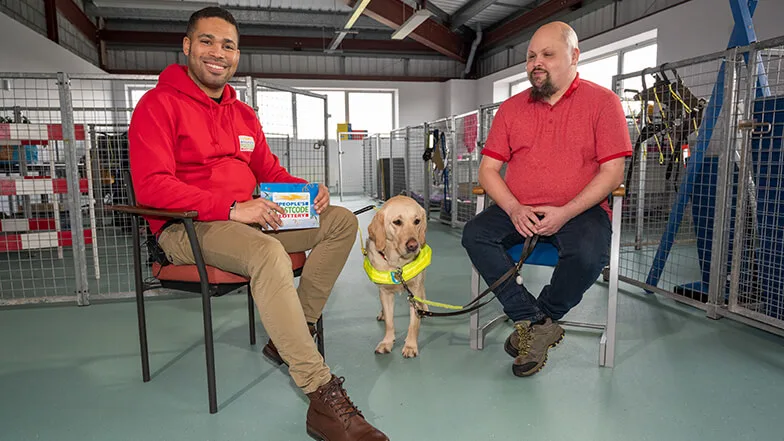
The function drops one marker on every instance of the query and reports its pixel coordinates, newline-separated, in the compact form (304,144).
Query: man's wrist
(232,209)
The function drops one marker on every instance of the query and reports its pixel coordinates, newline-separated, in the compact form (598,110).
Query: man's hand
(554,219)
(322,199)
(258,211)
(525,220)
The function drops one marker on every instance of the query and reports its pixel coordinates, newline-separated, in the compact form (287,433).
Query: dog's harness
(408,272)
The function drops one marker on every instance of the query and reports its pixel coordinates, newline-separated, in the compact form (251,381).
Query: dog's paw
(410,350)
(385,347)
(380,316)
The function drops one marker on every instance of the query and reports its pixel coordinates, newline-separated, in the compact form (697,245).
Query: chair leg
(209,350)
(142,319)
(320,336)
(140,313)
(251,318)
(207,311)
(474,334)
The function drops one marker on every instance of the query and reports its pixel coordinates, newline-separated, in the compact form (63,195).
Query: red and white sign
(33,241)
(35,185)
(19,225)
(36,134)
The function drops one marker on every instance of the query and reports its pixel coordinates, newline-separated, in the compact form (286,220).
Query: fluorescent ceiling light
(359,8)
(412,23)
(166,5)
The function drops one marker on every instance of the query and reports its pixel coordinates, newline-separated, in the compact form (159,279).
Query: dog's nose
(412,245)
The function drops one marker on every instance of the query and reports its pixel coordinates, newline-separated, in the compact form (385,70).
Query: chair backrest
(129,187)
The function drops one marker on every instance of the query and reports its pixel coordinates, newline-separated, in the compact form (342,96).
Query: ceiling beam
(439,15)
(244,16)
(524,34)
(523,22)
(468,11)
(172,39)
(247,30)
(52,28)
(77,17)
(394,13)
(308,76)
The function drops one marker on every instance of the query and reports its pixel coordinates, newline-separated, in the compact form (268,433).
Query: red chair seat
(189,273)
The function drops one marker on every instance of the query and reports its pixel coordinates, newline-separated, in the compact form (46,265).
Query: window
(371,111)
(136,93)
(599,71)
(275,112)
(515,88)
(336,103)
(636,60)
(310,117)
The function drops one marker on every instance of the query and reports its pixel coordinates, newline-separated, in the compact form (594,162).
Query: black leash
(473,305)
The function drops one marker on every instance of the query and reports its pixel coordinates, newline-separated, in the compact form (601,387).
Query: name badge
(247,144)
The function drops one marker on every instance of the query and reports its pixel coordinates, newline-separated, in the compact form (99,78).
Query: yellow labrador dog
(396,236)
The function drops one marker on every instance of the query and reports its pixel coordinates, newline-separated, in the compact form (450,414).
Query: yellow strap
(637,126)
(436,304)
(664,119)
(678,97)
(361,242)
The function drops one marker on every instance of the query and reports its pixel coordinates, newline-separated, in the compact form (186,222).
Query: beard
(545,90)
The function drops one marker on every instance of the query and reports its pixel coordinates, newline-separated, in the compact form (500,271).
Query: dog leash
(473,305)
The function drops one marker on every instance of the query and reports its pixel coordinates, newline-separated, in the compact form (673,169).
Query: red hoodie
(188,152)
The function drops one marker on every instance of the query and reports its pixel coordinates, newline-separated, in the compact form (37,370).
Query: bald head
(559,30)
(552,60)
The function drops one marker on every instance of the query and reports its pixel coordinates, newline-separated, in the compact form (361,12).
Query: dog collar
(409,271)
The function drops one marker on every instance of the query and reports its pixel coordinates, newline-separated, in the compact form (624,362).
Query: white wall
(460,97)
(694,28)
(36,53)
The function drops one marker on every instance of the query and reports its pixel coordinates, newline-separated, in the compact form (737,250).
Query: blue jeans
(583,246)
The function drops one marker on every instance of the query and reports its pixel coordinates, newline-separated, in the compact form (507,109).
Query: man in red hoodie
(194,146)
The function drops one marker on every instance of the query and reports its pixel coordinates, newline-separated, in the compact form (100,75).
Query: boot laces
(524,338)
(338,399)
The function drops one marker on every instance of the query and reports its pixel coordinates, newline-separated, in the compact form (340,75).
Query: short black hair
(210,12)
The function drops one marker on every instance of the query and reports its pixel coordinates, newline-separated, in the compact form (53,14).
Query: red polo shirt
(553,152)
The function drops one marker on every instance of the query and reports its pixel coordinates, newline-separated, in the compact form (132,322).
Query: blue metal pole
(742,34)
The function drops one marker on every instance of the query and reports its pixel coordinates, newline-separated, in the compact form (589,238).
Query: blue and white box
(297,200)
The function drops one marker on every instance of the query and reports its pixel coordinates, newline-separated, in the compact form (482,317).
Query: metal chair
(200,279)
(545,254)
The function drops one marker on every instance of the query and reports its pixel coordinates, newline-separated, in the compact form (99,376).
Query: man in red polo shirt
(564,141)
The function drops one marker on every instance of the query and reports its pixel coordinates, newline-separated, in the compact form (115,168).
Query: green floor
(69,373)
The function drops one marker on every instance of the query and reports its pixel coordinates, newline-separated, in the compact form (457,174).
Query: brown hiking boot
(333,417)
(528,344)
(271,352)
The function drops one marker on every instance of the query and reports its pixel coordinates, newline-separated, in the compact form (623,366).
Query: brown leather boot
(333,417)
(271,352)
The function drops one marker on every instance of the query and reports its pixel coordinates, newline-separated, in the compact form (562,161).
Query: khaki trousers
(263,258)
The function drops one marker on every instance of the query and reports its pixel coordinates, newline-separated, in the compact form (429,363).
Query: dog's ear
(422,227)
(377,232)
